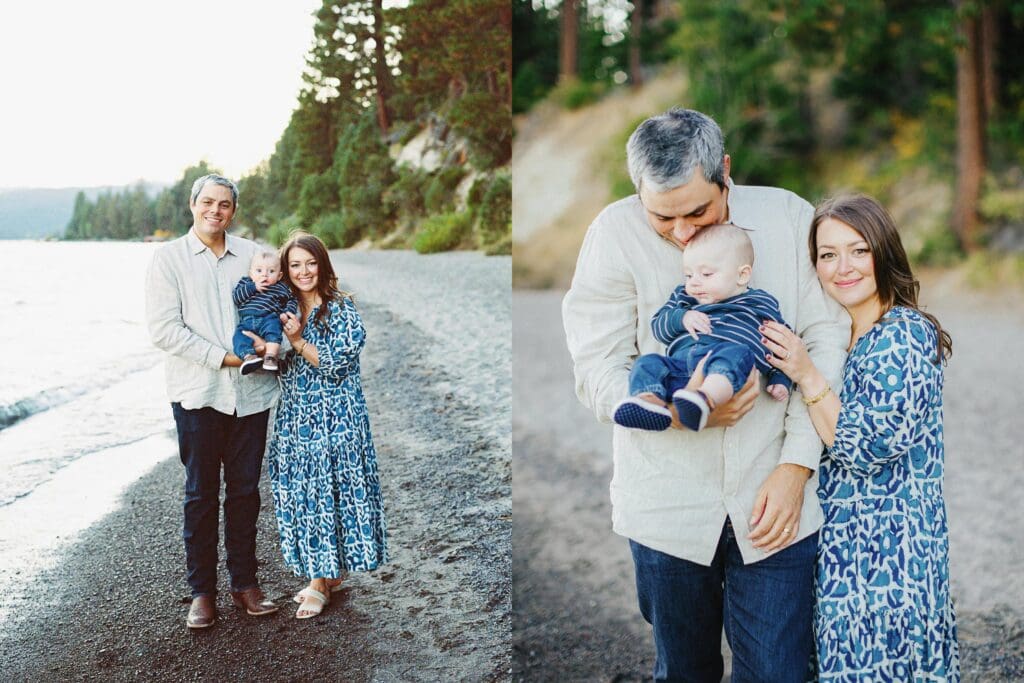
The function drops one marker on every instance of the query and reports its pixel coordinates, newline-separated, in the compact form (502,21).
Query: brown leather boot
(202,613)
(254,602)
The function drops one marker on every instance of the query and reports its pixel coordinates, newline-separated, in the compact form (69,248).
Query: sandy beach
(575,603)
(111,606)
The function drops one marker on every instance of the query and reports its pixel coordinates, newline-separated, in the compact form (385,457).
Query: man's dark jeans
(206,439)
(766,608)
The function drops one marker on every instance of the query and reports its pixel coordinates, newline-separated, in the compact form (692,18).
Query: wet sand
(575,603)
(112,606)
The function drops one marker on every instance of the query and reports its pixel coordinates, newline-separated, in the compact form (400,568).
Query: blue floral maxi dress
(321,460)
(883,609)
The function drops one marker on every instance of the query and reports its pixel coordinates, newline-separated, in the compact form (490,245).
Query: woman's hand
(259,346)
(786,351)
(291,327)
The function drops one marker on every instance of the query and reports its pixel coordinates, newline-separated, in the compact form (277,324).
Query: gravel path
(114,608)
(575,612)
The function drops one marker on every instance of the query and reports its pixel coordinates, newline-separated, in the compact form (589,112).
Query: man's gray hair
(200,183)
(663,152)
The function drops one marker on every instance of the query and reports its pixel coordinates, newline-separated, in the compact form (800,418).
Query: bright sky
(107,92)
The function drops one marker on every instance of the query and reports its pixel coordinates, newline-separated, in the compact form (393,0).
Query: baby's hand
(260,288)
(695,321)
(778,392)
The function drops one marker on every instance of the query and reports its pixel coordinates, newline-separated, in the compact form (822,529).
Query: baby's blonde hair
(731,239)
(267,254)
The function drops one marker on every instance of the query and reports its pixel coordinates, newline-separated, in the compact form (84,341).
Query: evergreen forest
(401,137)
(886,97)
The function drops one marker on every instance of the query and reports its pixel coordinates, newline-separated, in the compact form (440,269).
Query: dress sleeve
(890,399)
(338,347)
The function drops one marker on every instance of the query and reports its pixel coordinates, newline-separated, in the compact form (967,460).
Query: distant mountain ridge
(36,213)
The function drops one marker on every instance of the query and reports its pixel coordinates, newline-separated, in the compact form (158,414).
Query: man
(722,523)
(221,416)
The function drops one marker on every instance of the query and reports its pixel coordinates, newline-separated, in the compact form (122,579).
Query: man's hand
(696,323)
(733,410)
(231,361)
(775,520)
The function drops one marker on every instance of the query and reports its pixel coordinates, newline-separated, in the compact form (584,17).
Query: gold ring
(786,530)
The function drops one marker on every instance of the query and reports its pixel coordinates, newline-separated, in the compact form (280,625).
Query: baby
(261,297)
(714,314)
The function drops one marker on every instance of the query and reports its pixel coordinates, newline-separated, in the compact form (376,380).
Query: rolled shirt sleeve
(164,319)
(600,317)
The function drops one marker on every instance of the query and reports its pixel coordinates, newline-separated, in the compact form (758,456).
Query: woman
(883,605)
(322,464)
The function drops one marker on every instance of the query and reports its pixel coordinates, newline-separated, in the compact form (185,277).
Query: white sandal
(297,598)
(313,603)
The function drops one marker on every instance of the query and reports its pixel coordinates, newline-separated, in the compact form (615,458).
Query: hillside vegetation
(920,105)
(401,137)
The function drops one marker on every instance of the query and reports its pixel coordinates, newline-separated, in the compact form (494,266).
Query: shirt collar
(196,246)
(737,214)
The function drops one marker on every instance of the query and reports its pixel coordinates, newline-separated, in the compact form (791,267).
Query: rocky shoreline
(114,608)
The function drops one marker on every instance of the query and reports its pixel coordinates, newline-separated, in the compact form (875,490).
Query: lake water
(83,411)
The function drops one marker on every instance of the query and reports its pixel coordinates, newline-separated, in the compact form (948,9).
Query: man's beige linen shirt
(191,316)
(672,490)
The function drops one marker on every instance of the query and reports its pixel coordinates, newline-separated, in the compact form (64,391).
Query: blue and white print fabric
(321,460)
(883,609)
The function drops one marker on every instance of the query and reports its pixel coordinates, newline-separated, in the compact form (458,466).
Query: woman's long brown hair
(326,280)
(896,283)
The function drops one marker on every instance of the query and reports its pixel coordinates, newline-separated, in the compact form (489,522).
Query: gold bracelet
(303,349)
(814,399)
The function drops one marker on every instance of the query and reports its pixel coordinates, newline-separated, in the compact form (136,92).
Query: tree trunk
(506,24)
(568,64)
(970,160)
(989,50)
(636,27)
(380,69)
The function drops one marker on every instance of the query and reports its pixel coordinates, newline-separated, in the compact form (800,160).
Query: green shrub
(527,87)
(476,193)
(575,93)
(485,122)
(364,173)
(279,231)
(1002,205)
(331,229)
(318,196)
(443,232)
(404,198)
(939,248)
(502,247)
(439,195)
(495,212)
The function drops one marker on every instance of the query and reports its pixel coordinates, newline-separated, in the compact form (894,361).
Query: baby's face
(711,274)
(265,272)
